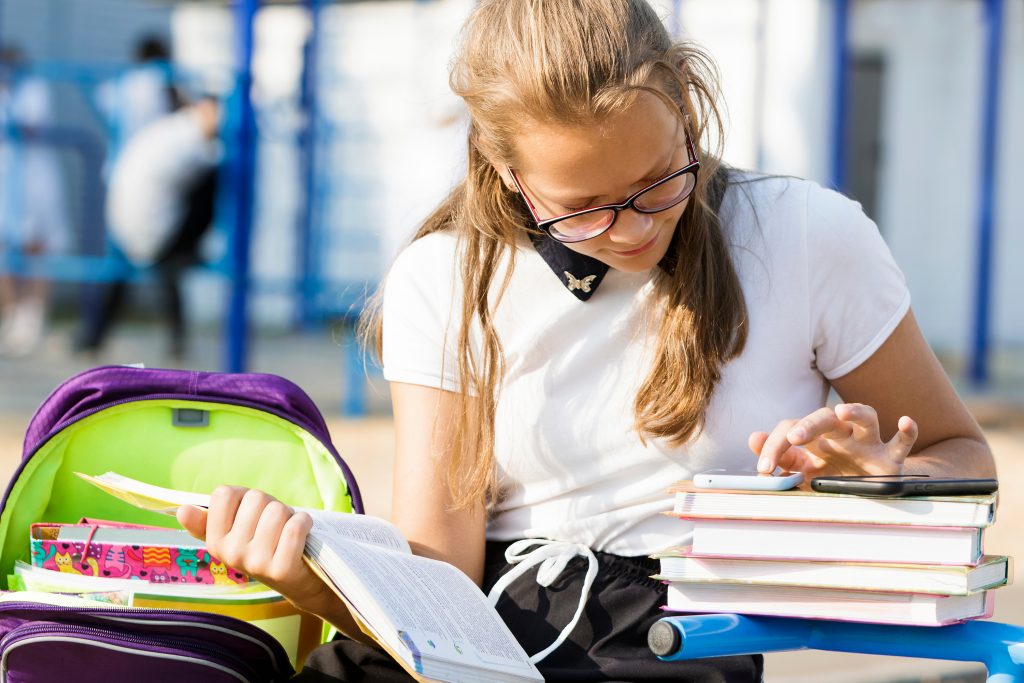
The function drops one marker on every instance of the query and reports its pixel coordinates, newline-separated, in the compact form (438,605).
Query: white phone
(746,481)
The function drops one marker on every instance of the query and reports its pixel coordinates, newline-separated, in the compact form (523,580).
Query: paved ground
(315,361)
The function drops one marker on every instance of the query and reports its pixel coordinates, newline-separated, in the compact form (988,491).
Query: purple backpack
(185,430)
(43,643)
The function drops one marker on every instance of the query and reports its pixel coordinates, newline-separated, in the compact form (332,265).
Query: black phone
(896,485)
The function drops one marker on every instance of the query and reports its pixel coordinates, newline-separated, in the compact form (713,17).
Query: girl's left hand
(840,441)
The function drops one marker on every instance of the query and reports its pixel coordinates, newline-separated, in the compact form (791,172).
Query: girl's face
(565,168)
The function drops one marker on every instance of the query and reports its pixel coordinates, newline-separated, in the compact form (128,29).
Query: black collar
(582,274)
(578,273)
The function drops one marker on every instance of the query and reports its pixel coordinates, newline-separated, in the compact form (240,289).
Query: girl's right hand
(254,533)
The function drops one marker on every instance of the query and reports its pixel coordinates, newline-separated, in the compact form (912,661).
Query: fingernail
(797,435)
(763,465)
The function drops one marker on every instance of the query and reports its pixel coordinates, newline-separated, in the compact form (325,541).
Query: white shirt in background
(151,180)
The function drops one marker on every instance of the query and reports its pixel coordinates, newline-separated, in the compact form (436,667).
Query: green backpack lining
(239,446)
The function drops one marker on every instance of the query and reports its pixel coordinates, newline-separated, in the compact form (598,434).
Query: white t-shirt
(822,294)
(146,200)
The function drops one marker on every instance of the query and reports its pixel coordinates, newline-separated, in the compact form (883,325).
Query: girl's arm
(901,415)
(421,505)
(264,538)
(261,536)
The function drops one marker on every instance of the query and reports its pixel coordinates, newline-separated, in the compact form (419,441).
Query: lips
(639,250)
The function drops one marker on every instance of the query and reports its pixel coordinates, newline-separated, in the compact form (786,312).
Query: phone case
(724,481)
(911,486)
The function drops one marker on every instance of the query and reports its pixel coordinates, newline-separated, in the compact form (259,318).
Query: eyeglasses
(589,223)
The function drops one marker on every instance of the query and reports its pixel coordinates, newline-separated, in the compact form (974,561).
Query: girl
(599,309)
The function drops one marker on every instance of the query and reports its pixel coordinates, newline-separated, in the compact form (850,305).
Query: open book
(427,614)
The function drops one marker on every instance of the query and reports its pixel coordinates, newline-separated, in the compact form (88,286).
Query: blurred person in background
(33,207)
(138,97)
(160,203)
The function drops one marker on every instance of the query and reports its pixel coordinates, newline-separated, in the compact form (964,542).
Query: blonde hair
(579,62)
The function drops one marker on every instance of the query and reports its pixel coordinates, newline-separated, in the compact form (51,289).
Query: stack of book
(915,561)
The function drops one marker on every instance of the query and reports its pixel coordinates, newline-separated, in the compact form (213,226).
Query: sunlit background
(339,133)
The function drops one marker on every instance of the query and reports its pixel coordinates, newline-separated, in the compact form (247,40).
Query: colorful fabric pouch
(149,554)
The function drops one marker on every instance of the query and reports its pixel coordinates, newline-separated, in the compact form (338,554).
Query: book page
(437,611)
(145,496)
(331,526)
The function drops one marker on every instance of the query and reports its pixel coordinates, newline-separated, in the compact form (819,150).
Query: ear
(481,146)
(503,173)
(505,176)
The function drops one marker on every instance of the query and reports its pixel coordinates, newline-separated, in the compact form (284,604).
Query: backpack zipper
(350,482)
(137,615)
(188,650)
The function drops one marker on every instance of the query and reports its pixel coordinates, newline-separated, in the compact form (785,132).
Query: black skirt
(608,644)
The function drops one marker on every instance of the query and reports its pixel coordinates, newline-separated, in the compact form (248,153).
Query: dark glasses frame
(545,224)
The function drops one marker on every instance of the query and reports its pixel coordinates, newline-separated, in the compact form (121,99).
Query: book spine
(851,558)
(804,541)
(981,519)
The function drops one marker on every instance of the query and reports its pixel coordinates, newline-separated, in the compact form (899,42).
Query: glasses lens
(667,194)
(583,226)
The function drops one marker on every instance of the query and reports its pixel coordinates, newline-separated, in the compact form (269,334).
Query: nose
(631,228)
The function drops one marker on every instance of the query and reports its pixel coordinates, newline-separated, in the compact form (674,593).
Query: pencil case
(149,554)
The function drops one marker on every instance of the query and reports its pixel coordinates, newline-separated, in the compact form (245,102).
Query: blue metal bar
(986,192)
(354,378)
(677,19)
(70,268)
(308,263)
(79,73)
(760,75)
(840,90)
(1000,647)
(242,181)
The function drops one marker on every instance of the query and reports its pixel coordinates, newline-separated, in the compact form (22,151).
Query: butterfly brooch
(583,284)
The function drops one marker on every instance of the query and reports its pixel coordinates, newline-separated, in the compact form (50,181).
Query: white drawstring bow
(552,556)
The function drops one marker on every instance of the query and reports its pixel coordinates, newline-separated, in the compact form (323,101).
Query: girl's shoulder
(428,264)
(428,254)
(769,203)
(760,192)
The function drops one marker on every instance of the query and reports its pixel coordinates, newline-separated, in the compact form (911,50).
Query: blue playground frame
(1000,647)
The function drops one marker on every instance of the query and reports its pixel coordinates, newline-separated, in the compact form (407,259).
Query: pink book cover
(813,523)
(988,611)
(155,563)
(687,551)
(754,523)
